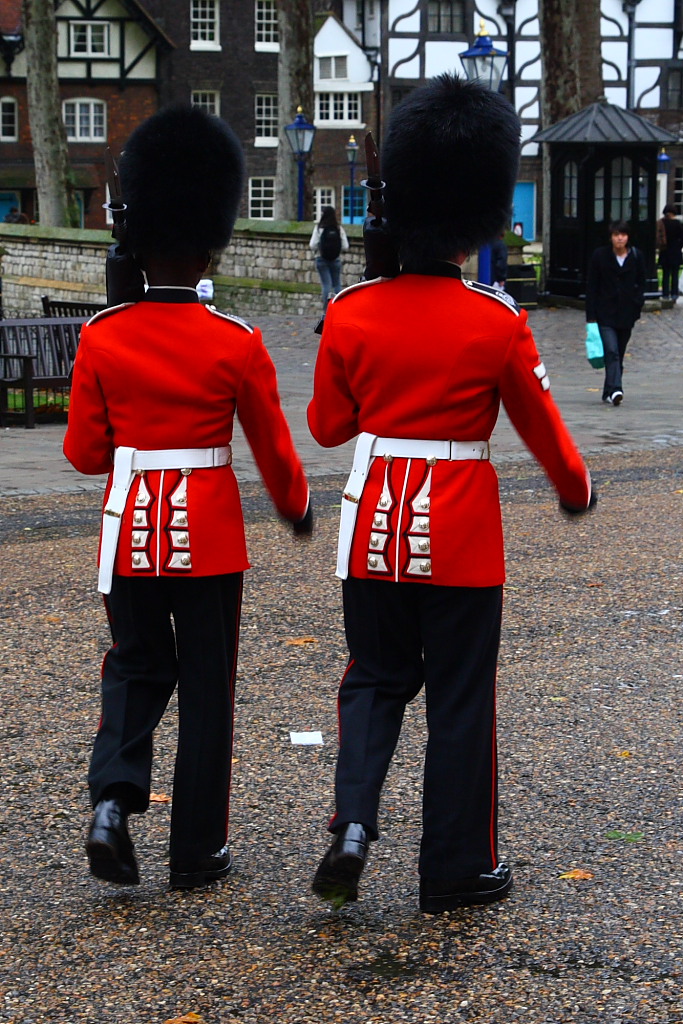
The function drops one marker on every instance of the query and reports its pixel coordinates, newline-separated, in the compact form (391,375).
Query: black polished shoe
(192,875)
(436,897)
(109,847)
(337,877)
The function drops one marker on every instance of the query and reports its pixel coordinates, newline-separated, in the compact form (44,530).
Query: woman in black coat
(615,293)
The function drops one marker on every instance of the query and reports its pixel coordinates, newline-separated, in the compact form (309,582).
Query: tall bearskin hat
(450,162)
(182,173)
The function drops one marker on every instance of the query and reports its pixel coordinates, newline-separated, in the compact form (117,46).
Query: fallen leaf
(628,837)
(624,753)
(596,584)
(189,1018)
(300,641)
(578,874)
(159,798)
(52,618)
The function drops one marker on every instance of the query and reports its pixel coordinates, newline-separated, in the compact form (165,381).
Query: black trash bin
(521,284)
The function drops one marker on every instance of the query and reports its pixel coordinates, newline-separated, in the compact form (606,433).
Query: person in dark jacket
(615,293)
(669,246)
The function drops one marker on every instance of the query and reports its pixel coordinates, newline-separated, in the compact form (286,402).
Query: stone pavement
(651,416)
(590,731)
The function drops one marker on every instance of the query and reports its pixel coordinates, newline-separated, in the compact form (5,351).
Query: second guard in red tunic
(417,367)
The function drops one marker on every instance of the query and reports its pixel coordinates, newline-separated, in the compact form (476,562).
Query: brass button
(424,504)
(423,545)
(136,538)
(186,472)
(432,460)
(388,458)
(182,520)
(183,539)
(423,524)
(137,559)
(377,521)
(139,517)
(185,560)
(383,502)
(425,566)
(374,540)
(373,562)
(181,499)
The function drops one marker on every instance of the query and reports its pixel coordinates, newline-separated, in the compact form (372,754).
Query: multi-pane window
(89,38)
(333,67)
(678,190)
(266,24)
(262,198)
(674,89)
(204,24)
(85,120)
(570,204)
(622,188)
(446,17)
(323,196)
(337,106)
(207,99)
(9,121)
(266,116)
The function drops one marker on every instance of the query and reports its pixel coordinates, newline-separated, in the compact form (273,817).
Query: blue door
(8,200)
(524,209)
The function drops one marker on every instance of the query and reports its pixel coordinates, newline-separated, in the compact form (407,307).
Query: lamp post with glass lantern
(300,135)
(351,154)
(483,63)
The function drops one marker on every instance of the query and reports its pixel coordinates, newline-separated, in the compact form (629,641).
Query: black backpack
(330,243)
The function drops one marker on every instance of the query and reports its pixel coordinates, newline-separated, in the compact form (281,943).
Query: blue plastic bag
(594,350)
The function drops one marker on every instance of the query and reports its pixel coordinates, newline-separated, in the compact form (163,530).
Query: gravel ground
(590,750)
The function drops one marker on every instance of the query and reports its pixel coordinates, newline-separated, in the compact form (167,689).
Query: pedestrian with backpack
(327,242)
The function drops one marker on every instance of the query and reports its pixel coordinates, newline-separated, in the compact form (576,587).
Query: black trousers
(401,635)
(169,631)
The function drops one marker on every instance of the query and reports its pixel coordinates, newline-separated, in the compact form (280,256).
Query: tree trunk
(572,63)
(295,89)
(56,201)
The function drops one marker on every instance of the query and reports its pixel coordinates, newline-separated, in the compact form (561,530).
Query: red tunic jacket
(169,373)
(431,357)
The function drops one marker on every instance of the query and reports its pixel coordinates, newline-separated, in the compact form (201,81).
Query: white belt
(367,447)
(128,461)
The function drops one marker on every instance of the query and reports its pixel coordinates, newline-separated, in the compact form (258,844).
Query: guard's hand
(571,510)
(304,527)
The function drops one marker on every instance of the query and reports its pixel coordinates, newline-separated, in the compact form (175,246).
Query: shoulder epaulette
(359,284)
(493,293)
(231,317)
(108,312)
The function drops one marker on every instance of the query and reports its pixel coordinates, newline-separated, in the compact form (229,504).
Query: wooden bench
(60,307)
(36,353)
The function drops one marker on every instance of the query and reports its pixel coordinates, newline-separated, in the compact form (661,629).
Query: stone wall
(266,268)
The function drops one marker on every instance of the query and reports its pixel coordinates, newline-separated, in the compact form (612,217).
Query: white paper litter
(307,738)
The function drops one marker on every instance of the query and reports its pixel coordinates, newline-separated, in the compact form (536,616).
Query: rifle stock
(125,281)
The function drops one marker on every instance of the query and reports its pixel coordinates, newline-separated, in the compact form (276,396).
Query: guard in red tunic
(416,367)
(156,386)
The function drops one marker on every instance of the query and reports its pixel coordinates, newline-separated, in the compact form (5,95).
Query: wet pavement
(650,417)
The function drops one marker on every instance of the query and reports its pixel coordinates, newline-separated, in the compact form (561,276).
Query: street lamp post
(483,63)
(300,135)
(351,154)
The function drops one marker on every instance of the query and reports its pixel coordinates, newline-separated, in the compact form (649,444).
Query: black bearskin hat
(450,162)
(182,173)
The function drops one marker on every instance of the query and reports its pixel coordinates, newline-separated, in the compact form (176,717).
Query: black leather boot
(337,877)
(109,847)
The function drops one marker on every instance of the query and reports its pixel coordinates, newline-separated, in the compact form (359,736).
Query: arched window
(570,192)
